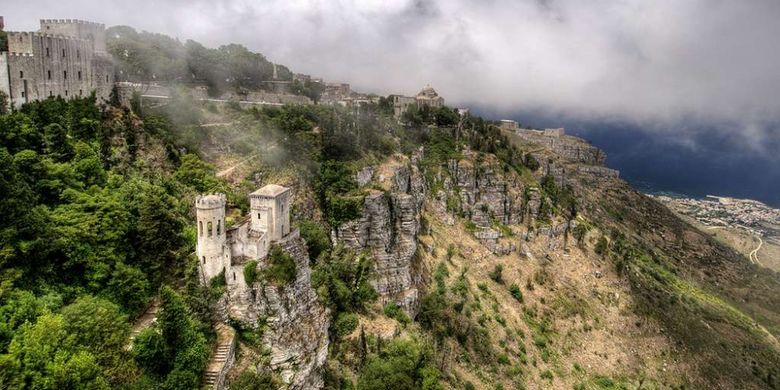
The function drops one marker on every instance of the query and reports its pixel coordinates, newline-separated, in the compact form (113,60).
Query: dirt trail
(232,168)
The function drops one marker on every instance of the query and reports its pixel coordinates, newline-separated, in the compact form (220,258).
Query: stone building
(228,250)
(426,97)
(63,58)
(510,125)
(294,322)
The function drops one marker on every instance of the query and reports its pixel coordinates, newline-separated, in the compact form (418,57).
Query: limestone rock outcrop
(388,229)
(295,323)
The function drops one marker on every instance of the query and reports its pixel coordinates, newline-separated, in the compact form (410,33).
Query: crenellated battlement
(15,54)
(211,201)
(72,21)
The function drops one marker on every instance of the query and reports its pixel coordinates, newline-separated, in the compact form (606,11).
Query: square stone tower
(270,210)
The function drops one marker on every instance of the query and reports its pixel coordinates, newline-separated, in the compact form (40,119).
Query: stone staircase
(222,358)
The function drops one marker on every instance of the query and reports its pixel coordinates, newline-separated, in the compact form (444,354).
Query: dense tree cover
(404,364)
(90,230)
(173,350)
(144,56)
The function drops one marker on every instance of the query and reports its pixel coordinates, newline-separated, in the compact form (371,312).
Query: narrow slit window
(79,75)
(21,74)
(65,74)
(63,52)
(219,227)
(66,92)
(210,229)
(204,259)
(47,52)
(48,74)
(200,228)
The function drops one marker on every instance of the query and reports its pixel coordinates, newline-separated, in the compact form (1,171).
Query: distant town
(716,211)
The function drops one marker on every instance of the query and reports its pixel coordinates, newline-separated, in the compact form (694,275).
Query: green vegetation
(249,380)
(316,237)
(497,274)
(250,272)
(404,364)
(514,289)
(393,311)
(342,280)
(90,230)
(281,266)
(144,56)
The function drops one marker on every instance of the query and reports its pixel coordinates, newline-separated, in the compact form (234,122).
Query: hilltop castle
(228,250)
(63,58)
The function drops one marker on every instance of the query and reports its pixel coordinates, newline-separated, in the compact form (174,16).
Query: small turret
(212,255)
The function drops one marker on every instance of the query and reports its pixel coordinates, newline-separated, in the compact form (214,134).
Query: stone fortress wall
(64,58)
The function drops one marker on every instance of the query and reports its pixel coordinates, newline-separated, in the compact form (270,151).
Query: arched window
(210,229)
(200,228)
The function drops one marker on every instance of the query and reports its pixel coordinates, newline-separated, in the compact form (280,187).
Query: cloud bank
(662,63)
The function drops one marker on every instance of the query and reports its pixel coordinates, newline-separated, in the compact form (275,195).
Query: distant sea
(657,162)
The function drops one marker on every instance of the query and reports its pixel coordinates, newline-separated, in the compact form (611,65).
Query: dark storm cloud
(660,63)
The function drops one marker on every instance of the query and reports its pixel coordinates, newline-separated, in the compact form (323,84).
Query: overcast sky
(660,62)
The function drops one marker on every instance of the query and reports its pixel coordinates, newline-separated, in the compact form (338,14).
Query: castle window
(48,73)
(79,75)
(21,74)
(210,229)
(106,78)
(234,276)
(63,52)
(51,93)
(78,54)
(47,52)
(65,74)
(80,93)
(22,93)
(66,92)
(200,228)
(219,227)
(204,259)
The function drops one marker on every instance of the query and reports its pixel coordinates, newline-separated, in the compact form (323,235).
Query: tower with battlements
(65,57)
(227,250)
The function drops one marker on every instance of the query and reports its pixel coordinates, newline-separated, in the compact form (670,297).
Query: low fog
(668,65)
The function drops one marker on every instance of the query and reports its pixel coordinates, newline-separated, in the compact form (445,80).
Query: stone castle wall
(67,58)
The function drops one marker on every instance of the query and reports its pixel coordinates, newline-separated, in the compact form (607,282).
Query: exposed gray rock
(364,176)
(296,323)
(388,228)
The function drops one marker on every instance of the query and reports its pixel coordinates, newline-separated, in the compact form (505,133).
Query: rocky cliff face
(388,229)
(295,323)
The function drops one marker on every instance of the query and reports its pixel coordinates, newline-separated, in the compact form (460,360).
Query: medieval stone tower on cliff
(228,250)
(64,58)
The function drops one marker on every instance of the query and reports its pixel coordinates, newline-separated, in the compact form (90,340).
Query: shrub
(497,274)
(250,272)
(503,359)
(281,266)
(316,237)
(345,323)
(514,289)
(547,374)
(249,380)
(218,281)
(393,311)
